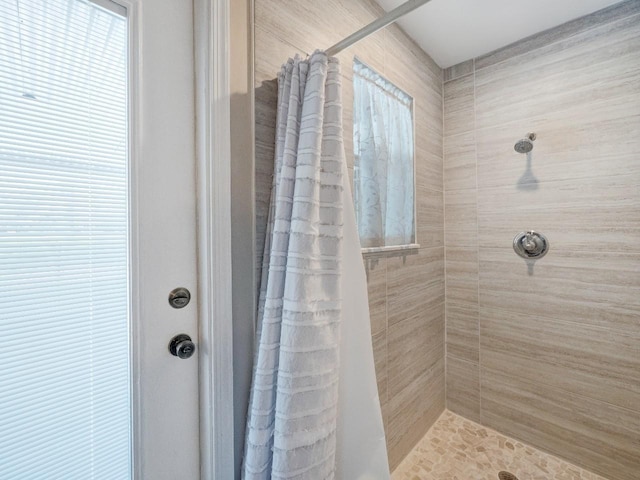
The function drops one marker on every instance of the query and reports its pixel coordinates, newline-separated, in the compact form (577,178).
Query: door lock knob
(182,346)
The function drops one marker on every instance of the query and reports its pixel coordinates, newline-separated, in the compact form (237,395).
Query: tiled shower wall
(406,290)
(550,355)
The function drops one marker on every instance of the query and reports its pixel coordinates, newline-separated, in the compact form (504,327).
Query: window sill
(390,248)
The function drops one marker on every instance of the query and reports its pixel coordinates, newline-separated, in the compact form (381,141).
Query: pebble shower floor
(458,449)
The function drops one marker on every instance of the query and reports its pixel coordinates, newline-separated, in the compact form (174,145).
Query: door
(97,227)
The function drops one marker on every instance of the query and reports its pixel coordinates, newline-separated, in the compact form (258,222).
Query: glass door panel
(65,403)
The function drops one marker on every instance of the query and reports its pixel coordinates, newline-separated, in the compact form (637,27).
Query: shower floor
(458,449)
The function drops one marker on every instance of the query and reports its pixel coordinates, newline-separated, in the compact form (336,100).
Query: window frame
(415,244)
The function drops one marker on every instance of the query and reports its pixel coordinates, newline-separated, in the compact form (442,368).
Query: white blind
(64,306)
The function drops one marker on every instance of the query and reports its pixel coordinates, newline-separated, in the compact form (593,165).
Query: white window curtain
(383,169)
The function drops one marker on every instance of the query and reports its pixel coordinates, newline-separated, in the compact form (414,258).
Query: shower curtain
(314,411)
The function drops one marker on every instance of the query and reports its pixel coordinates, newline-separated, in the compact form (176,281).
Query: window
(384,161)
(64,301)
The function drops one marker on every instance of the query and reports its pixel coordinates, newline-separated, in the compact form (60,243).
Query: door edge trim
(211,50)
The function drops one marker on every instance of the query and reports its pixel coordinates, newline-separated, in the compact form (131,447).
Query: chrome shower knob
(181,346)
(530,244)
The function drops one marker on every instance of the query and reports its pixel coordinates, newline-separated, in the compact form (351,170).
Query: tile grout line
(386,338)
(444,253)
(385,33)
(475,150)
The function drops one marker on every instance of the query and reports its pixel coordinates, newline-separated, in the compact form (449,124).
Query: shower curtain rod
(376,25)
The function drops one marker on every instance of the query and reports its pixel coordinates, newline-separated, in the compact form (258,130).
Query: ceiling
(452,31)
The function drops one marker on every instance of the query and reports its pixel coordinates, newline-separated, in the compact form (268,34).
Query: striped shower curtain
(299,411)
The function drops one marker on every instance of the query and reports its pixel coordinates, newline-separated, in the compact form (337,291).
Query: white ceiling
(452,31)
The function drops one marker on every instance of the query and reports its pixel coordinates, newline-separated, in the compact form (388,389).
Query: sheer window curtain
(383,173)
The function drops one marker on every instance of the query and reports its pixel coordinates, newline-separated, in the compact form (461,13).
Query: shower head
(525,145)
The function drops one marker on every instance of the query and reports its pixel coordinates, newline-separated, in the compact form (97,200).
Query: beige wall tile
(376,268)
(595,362)
(599,436)
(593,214)
(428,158)
(463,388)
(380,357)
(460,212)
(460,161)
(462,275)
(414,345)
(412,411)
(594,67)
(459,70)
(570,145)
(266,97)
(599,290)
(305,24)
(459,106)
(463,331)
(430,215)
(414,281)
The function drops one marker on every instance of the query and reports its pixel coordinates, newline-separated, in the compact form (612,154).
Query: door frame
(213,167)
(211,32)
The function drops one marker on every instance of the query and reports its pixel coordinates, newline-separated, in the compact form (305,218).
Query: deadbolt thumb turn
(181,346)
(179,297)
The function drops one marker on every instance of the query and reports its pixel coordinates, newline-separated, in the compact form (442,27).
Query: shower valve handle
(530,244)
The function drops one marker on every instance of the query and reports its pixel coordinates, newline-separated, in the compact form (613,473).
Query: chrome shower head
(526,144)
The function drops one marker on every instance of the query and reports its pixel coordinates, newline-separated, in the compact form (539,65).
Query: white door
(166,246)
(97,227)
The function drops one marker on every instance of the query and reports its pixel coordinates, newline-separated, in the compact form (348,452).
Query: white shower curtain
(314,412)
